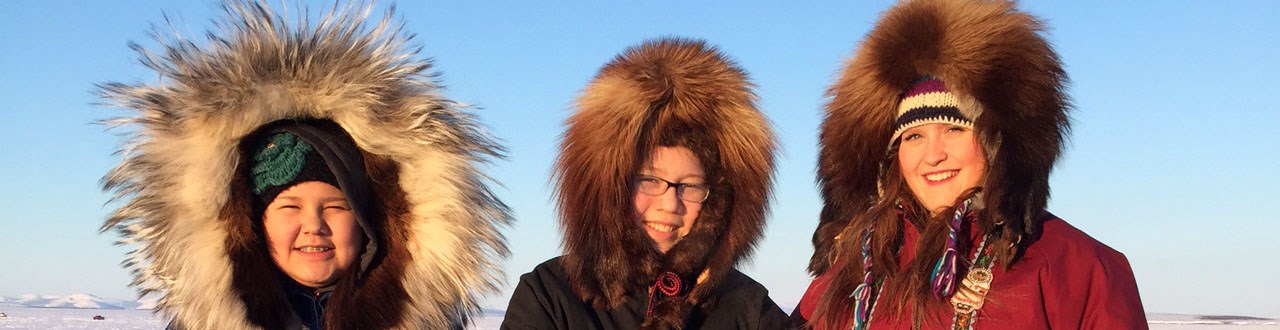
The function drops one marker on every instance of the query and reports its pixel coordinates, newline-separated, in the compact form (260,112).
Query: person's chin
(319,278)
(662,245)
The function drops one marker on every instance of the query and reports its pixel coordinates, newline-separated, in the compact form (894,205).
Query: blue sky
(1174,158)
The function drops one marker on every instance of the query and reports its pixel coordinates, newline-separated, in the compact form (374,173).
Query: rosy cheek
(282,244)
(642,203)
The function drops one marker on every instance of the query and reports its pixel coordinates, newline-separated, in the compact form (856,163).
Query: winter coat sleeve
(743,303)
(1095,287)
(772,316)
(530,305)
(809,302)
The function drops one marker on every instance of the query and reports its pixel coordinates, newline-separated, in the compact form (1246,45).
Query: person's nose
(935,151)
(313,223)
(669,201)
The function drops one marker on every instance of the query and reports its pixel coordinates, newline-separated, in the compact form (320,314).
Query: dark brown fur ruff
(377,299)
(986,51)
(254,277)
(644,96)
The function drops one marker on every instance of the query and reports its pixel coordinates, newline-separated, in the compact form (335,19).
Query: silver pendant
(972,291)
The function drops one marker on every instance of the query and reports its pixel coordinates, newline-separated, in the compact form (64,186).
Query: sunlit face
(666,217)
(312,233)
(939,162)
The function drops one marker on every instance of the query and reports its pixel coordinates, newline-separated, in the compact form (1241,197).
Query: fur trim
(193,243)
(663,86)
(992,57)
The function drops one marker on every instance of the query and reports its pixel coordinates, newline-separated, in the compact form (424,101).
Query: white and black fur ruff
(182,212)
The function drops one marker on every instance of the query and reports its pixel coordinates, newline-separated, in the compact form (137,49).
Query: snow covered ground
(78,310)
(134,319)
(119,319)
(77,318)
(1191,322)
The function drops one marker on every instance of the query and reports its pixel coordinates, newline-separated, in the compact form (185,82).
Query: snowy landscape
(78,311)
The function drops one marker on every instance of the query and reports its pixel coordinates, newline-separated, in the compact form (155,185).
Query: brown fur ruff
(186,205)
(988,53)
(650,93)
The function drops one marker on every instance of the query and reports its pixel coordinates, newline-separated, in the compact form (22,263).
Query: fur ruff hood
(661,88)
(993,58)
(185,205)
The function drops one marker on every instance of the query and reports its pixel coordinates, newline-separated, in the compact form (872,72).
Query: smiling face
(939,162)
(312,233)
(666,217)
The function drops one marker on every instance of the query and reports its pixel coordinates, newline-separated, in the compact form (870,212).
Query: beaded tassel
(944,272)
(668,284)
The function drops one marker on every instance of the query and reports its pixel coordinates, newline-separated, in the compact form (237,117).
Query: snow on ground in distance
(133,319)
(77,318)
(121,319)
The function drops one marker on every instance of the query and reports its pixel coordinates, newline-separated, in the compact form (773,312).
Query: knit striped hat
(928,101)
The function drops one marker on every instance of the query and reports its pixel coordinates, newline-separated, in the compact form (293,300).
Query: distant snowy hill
(1188,319)
(78,300)
(147,303)
(32,300)
(81,300)
(8,302)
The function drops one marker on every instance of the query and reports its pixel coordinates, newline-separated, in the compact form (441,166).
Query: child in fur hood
(303,176)
(935,156)
(663,178)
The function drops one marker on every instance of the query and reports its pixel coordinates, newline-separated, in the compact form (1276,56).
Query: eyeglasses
(689,192)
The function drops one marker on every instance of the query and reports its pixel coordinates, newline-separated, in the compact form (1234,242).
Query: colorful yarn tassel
(943,280)
(864,292)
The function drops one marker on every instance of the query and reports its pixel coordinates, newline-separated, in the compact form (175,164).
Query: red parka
(1065,280)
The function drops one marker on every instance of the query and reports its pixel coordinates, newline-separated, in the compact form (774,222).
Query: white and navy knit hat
(928,101)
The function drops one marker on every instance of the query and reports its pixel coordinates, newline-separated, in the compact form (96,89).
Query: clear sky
(1174,159)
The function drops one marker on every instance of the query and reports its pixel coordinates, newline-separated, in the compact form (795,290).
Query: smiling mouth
(940,176)
(659,227)
(314,249)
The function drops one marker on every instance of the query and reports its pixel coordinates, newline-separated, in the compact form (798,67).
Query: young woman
(287,176)
(663,178)
(935,158)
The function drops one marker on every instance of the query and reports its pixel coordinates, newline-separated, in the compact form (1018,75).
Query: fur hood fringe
(992,57)
(665,86)
(183,206)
